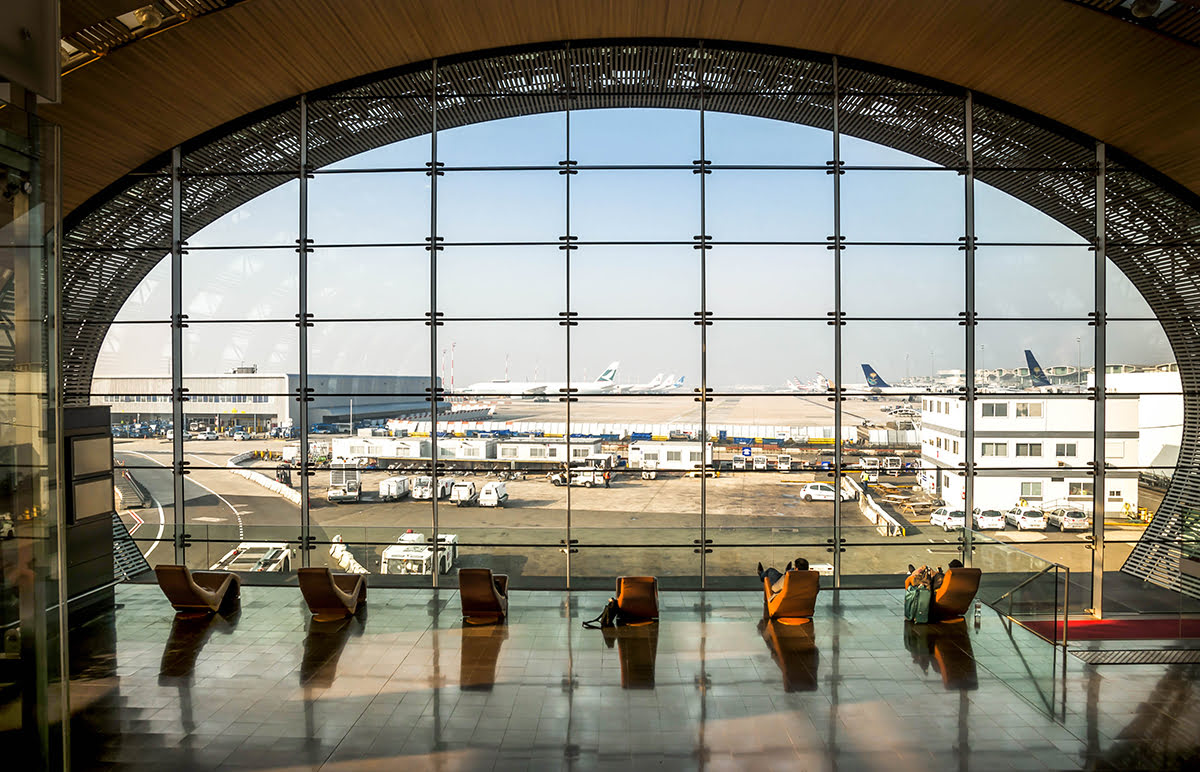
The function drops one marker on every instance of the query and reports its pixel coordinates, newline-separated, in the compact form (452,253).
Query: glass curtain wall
(642,328)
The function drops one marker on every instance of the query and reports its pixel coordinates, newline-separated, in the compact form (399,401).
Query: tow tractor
(649,470)
(413,554)
(422,488)
(256,556)
(586,478)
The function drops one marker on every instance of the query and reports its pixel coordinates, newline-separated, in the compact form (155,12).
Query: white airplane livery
(605,383)
(642,388)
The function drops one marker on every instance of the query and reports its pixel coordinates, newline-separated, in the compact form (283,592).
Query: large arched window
(768,281)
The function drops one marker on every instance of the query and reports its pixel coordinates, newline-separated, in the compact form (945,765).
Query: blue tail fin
(1035,370)
(873,379)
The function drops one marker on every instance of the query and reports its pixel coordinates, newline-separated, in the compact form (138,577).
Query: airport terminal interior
(619,385)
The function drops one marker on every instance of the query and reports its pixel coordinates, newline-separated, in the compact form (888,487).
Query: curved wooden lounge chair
(953,598)
(637,598)
(331,596)
(796,596)
(206,592)
(484,595)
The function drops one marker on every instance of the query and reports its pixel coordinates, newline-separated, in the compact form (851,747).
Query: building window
(993,449)
(579,452)
(1029,410)
(552,452)
(995,409)
(674,455)
(1080,489)
(955,446)
(1114,449)
(939,443)
(508,452)
(1031,490)
(1114,495)
(537,452)
(1065,450)
(1029,449)
(470,452)
(694,456)
(650,456)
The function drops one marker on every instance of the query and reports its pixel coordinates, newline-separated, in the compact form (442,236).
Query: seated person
(775,575)
(927,576)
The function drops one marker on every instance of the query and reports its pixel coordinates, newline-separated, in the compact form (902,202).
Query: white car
(1026,519)
(821,492)
(947,519)
(209,435)
(1068,519)
(988,520)
(241,436)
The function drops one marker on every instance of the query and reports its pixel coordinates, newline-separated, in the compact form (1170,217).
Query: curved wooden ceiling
(1134,89)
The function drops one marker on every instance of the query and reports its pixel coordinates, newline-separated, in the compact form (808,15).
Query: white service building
(349,449)
(537,449)
(1160,414)
(1031,447)
(669,455)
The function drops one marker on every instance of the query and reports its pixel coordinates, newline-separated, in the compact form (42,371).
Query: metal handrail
(1022,584)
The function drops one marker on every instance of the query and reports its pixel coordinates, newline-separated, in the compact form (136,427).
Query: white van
(464,494)
(760,463)
(422,488)
(494,494)
(783,463)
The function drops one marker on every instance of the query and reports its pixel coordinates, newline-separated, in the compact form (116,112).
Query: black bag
(607,618)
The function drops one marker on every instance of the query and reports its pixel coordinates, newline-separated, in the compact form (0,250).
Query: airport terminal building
(263,400)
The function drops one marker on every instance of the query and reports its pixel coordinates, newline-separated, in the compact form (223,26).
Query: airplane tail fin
(823,381)
(1035,370)
(678,384)
(610,373)
(873,379)
(655,381)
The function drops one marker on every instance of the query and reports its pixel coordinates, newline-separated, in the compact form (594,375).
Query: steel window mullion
(177,393)
(302,335)
(837,329)
(433,317)
(1099,361)
(567,281)
(703,341)
(969,274)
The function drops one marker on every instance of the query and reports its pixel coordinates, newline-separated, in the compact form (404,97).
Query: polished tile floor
(406,686)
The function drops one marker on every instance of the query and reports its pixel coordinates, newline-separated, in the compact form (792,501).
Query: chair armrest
(213,580)
(347,583)
(501,582)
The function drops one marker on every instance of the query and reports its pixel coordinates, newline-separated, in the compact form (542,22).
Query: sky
(501,303)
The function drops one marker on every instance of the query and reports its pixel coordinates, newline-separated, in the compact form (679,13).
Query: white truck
(393,488)
(494,494)
(587,478)
(414,554)
(650,470)
(783,463)
(760,463)
(423,490)
(345,483)
(892,465)
(464,494)
(256,556)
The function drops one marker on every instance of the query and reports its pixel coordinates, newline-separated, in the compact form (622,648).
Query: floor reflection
(947,647)
(637,648)
(794,649)
(189,633)
(323,647)
(480,653)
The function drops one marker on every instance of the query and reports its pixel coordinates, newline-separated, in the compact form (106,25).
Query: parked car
(1026,519)
(948,519)
(209,435)
(987,520)
(1068,519)
(241,436)
(821,492)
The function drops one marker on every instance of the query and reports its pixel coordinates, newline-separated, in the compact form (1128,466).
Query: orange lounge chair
(796,597)
(207,592)
(484,595)
(637,597)
(331,596)
(954,597)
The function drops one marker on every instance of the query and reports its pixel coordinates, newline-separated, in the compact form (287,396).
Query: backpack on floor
(916,603)
(607,618)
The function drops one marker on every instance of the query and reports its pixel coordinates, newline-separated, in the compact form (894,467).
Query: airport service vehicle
(6,527)
(739,464)
(171,434)
(494,494)
(947,519)
(821,492)
(345,483)
(464,494)
(760,463)
(783,463)
(892,465)
(869,463)
(1068,519)
(393,488)
(413,554)
(283,474)
(987,520)
(1026,519)
(241,436)
(209,435)
(256,556)
(586,478)
(422,488)
(650,469)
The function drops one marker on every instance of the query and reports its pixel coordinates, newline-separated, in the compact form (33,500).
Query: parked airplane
(642,388)
(877,385)
(1036,373)
(818,385)
(605,383)
(670,383)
